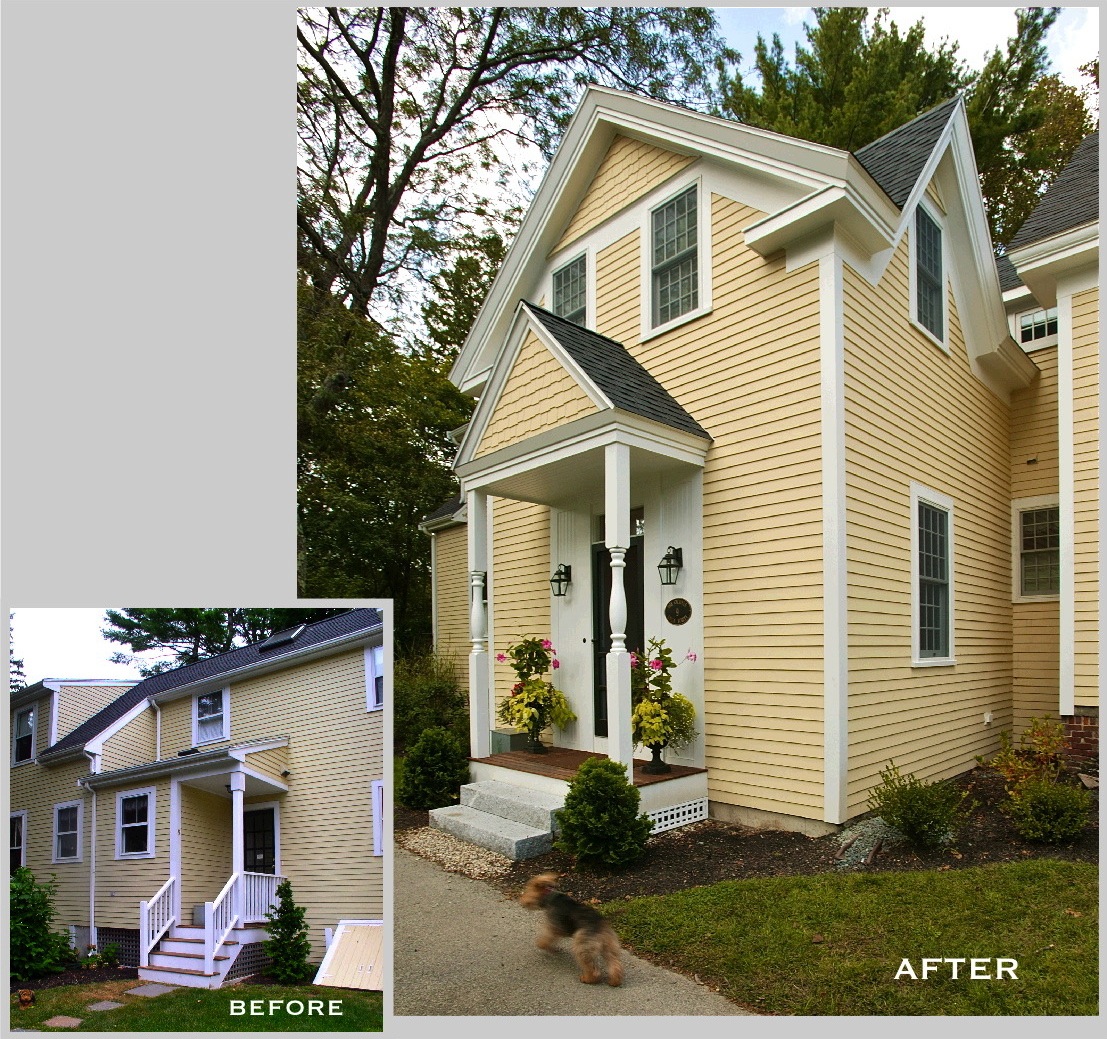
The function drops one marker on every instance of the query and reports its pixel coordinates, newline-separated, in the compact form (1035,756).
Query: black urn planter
(657,767)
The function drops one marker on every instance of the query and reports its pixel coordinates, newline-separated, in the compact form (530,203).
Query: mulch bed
(711,851)
(77,977)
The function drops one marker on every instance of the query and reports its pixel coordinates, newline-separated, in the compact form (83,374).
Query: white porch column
(617,538)
(480,709)
(238,838)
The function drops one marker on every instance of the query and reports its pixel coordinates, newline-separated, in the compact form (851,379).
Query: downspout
(92,857)
(157,711)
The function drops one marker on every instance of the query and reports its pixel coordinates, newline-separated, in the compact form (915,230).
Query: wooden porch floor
(562,763)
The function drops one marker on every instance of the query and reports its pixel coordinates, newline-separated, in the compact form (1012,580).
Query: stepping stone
(104,1004)
(61,1021)
(152,989)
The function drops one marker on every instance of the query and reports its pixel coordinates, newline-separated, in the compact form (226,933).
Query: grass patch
(832,944)
(198,1010)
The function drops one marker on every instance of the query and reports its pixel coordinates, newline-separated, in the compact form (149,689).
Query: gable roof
(1070,201)
(314,636)
(896,160)
(1008,276)
(621,378)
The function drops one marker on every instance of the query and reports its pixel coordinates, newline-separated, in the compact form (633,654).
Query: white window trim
(919,493)
(33,708)
(226,735)
(939,218)
(276,806)
(589,283)
(1034,344)
(1018,507)
(151,823)
(703,259)
(378,816)
(373,670)
(79,857)
(22,813)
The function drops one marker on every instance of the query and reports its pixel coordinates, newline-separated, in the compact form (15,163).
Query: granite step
(535,808)
(513,839)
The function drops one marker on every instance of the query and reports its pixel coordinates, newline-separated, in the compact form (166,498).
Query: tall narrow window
(210,717)
(134,811)
(1040,551)
(23,736)
(570,291)
(675,258)
(374,678)
(67,832)
(378,816)
(17,831)
(933,577)
(928,274)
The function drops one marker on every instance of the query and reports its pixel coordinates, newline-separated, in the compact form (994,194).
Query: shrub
(1043,810)
(35,949)
(288,947)
(426,695)
(927,814)
(1039,755)
(433,771)
(600,824)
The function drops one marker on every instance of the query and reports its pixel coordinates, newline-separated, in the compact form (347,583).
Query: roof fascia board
(565,359)
(1041,263)
(444,522)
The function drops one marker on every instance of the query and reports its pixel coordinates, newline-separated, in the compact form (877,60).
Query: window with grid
(23,736)
(1040,551)
(1038,324)
(933,566)
(16,831)
(570,296)
(67,828)
(210,717)
(134,824)
(928,273)
(675,260)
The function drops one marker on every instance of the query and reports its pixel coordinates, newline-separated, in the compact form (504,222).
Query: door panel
(633,582)
(260,833)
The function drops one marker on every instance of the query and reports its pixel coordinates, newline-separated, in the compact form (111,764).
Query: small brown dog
(595,945)
(26,998)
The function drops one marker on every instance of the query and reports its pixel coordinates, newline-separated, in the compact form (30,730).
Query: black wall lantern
(561,579)
(670,566)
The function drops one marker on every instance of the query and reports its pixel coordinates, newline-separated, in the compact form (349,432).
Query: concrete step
(177,976)
(520,804)
(515,840)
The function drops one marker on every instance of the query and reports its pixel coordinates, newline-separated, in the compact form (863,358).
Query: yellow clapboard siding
(134,744)
(78,703)
(451,603)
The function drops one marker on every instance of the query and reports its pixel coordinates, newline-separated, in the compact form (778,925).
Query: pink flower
(691,656)
(634,660)
(655,665)
(547,644)
(556,664)
(500,658)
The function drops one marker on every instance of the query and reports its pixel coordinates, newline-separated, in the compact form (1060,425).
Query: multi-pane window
(135,818)
(23,735)
(933,577)
(67,831)
(1037,324)
(928,273)
(210,717)
(1040,551)
(374,678)
(17,834)
(570,295)
(675,258)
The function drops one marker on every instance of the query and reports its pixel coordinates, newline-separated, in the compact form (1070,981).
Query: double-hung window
(374,678)
(23,736)
(210,717)
(67,831)
(17,840)
(1039,547)
(134,830)
(674,260)
(570,291)
(929,277)
(932,578)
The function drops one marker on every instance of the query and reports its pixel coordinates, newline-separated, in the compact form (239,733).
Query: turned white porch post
(238,839)
(617,538)
(480,715)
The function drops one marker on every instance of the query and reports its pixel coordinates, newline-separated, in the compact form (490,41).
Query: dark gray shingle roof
(1008,276)
(447,508)
(1071,200)
(349,623)
(896,160)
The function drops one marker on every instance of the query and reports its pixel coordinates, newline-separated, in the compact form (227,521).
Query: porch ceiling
(218,784)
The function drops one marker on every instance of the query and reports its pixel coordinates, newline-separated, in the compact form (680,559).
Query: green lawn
(832,944)
(200,1010)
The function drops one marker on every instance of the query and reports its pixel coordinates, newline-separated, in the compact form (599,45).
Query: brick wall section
(1082,731)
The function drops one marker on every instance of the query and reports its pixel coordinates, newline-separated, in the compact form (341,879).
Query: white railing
(219,920)
(155,918)
(259,892)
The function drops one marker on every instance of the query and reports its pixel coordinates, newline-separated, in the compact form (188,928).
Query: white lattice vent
(679,815)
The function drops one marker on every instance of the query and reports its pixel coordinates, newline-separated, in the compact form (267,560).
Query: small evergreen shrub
(600,824)
(288,947)
(927,814)
(426,695)
(1043,810)
(433,771)
(35,949)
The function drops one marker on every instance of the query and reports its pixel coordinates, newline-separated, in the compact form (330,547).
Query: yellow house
(767,400)
(170,809)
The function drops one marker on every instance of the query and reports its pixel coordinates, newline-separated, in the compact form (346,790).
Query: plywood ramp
(355,958)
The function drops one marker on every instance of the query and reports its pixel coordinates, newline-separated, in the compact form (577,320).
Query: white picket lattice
(679,815)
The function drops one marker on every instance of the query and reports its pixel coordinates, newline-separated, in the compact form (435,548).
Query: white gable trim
(96,744)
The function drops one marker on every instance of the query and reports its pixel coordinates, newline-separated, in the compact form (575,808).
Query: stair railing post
(209,936)
(144,931)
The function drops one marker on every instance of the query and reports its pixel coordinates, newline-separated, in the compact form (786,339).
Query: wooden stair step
(188,955)
(182,970)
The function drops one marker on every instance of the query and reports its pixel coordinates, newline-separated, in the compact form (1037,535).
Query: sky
(1072,41)
(64,643)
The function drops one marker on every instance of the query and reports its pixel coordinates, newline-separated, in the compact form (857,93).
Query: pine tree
(288,947)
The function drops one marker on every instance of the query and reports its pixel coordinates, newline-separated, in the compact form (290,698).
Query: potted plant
(534,703)
(660,717)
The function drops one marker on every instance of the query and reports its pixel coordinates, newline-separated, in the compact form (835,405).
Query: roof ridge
(903,126)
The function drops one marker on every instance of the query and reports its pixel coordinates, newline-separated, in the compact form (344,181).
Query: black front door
(601,619)
(260,832)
